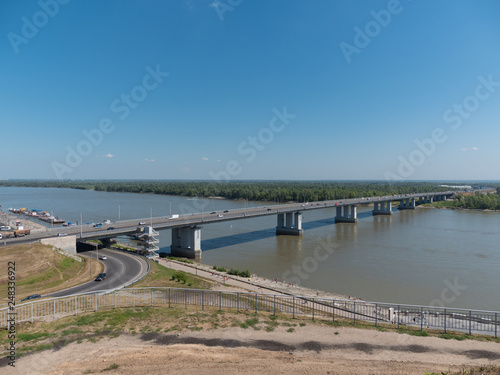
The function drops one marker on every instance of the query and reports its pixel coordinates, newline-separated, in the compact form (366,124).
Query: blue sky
(231,89)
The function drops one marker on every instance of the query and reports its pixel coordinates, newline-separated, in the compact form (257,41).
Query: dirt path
(307,350)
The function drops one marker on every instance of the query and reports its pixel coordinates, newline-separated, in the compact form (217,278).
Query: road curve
(121,269)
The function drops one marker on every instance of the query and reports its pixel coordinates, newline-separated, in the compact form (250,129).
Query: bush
(180,276)
(237,272)
(220,269)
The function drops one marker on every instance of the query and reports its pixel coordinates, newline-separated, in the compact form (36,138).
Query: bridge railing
(400,315)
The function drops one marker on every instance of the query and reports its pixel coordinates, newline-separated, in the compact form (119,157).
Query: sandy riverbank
(253,284)
(308,349)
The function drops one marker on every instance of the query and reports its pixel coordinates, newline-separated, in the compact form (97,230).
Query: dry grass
(40,270)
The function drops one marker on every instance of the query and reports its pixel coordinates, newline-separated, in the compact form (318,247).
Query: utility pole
(118,212)
(81,226)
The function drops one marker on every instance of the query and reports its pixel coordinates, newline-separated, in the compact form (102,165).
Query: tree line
(477,201)
(276,191)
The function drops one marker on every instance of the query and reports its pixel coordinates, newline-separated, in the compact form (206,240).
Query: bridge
(186,230)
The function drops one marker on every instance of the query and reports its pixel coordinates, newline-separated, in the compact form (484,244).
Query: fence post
(495,325)
(313,306)
(354,312)
(185,299)
(95,301)
(293,307)
(54,309)
(470,322)
(274,307)
(133,298)
(75,296)
(169,290)
(255,303)
(237,302)
(202,301)
(376,315)
(333,311)
(76,306)
(398,315)
(151,295)
(220,301)
(422,318)
(115,298)
(444,320)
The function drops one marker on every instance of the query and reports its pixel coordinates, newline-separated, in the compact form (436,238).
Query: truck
(176,216)
(21,232)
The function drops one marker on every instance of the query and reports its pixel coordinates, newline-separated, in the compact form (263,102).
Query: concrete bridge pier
(346,214)
(407,204)
(382,208)
(290,223)
(186,242)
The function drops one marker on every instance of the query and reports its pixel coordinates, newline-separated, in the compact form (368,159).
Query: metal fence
(400,315)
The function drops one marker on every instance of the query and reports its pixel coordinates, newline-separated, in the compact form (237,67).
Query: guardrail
(417,317)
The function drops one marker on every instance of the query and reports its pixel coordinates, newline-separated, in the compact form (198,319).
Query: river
(425,256)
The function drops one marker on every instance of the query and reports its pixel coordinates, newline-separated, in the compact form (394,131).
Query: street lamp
(118,212)
(81,226)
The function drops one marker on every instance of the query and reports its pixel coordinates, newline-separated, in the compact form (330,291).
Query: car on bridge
(111,228)
(97,225)
(100,277)
(62,234)
(103,257)
(142,223)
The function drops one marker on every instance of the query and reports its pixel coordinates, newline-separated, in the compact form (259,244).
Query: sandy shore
(253,284)
(308,349)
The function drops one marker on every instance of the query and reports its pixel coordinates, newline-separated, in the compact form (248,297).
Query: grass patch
(41,270)
(160,276)
(113,366)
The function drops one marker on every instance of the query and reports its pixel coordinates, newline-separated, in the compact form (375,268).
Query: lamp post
(118,212)
(81,226)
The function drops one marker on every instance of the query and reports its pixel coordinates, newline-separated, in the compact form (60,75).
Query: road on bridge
(124,227)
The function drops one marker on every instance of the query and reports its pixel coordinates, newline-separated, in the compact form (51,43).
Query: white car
(103,257)
(142,223)
(62,234)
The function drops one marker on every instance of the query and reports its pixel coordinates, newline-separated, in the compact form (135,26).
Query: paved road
(121,269)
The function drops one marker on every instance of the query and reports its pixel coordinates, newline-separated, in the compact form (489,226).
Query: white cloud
(150,160)
(218,160)
(469,149)
(109,156)
(474,148)
(205,158)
